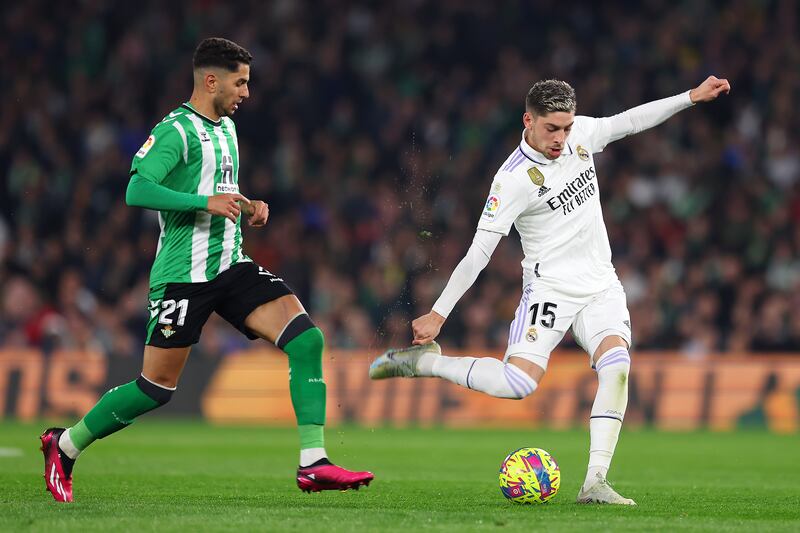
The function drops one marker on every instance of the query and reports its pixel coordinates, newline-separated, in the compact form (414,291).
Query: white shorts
(544,315)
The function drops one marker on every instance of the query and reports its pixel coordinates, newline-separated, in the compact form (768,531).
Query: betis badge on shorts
(167,331)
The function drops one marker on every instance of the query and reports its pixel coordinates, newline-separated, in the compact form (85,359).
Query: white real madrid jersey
(555,207)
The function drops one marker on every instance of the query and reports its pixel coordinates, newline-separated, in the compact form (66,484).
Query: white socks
(608,410)
(66,445)
(309,456)
(484,374)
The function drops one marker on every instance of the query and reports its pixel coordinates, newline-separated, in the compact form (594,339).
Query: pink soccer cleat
(59,484)
(327,476)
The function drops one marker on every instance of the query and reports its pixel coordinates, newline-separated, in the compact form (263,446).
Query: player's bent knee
(302,328)
(614,364)
(534,370)
(518,384)
(158,393)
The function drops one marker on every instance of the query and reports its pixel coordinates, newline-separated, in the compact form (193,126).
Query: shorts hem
(595,341)
(539,360)
(181,345)
(239,322)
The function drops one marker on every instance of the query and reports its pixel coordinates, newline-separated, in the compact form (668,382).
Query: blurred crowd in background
(373,132)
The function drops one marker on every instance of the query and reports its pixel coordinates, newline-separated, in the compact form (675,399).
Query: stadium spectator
(374,136)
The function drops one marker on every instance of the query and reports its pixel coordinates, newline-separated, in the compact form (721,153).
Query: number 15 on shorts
(547,317)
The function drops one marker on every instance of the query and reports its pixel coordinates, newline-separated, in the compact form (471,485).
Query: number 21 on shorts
(168,308)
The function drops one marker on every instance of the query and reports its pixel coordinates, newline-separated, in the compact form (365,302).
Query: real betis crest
(536,176)
(167,331)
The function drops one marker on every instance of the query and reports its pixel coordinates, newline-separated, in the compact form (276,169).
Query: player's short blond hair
(548,96)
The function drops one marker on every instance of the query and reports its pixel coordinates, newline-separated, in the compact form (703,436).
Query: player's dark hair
(548,96)
(222,53)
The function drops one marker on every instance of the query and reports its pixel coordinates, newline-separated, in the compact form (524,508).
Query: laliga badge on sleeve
(492,206)
(146,146)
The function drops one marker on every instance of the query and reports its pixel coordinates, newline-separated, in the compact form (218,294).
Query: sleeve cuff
(200,202)
(439,311)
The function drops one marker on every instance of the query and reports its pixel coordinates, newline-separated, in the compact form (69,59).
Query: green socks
(117,409)
(311,436)
(80,436)
(306,385)
(302,342)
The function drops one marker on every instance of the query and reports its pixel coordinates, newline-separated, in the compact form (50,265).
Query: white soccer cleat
(401,362)
(601,492)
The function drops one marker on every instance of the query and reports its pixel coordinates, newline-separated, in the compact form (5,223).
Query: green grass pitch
(180,475)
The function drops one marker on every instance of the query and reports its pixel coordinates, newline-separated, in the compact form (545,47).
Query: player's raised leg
(116,410)
(612,363)
(514,379)
(285,322)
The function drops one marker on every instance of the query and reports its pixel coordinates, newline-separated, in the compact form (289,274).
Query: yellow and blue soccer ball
(529,475)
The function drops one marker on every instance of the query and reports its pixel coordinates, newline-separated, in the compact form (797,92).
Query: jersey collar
(189,106)
(538,158)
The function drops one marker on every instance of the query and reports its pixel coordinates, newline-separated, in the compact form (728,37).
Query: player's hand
(427,327)
(709,89)
(226,205)
(257,213)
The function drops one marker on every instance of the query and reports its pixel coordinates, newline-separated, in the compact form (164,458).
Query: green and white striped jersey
(190,153)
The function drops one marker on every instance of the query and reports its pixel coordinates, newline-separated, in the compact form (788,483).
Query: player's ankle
(310,456)
(322,462)
(425,364)
(594,474)
(67,447)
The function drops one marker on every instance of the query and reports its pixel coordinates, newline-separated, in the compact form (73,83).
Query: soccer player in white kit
(548,189)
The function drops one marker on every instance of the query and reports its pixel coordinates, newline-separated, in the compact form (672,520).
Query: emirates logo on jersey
(575,193)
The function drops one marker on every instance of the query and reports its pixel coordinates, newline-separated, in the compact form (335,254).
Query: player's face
(231,90)
(547,134)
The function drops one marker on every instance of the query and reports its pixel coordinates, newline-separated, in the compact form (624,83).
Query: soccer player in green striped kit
(188,171)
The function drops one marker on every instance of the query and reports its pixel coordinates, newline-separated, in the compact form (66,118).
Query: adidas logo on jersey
(543,190)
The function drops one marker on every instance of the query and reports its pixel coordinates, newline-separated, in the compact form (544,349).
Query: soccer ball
(529,475)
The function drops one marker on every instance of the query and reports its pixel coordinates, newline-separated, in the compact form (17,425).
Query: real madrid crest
(532,334)
(536,176)
(583,153)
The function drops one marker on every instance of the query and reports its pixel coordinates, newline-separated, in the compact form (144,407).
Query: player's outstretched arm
(637,119)
(426,328)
